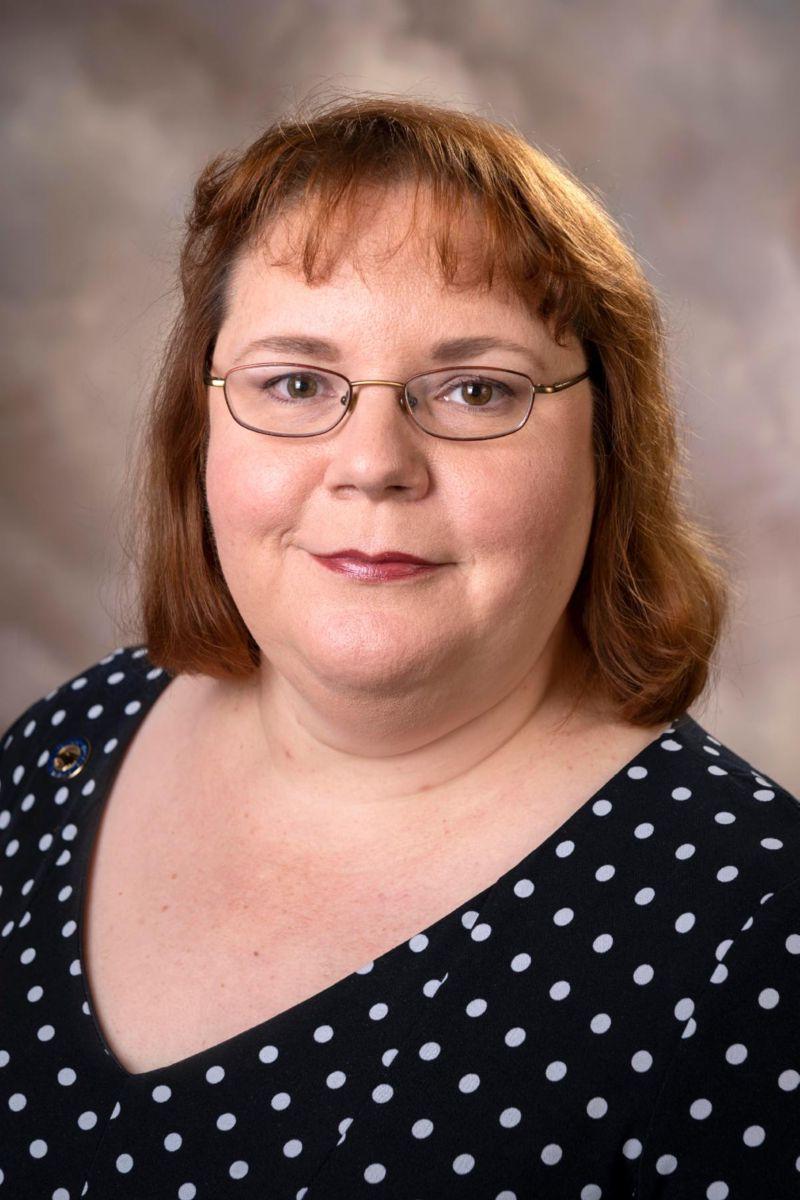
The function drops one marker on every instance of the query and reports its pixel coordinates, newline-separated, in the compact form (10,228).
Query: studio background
(681,116)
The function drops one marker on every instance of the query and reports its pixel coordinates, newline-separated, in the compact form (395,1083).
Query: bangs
(473,239)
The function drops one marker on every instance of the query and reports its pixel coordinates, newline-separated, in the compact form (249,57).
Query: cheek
(250,493)
(529,522)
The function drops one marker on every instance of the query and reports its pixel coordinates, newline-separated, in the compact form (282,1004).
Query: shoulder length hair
(653,593)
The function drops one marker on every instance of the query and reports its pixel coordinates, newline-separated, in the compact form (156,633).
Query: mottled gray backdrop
(683,115)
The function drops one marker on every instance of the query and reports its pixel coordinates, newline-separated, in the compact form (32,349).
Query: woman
(389,860)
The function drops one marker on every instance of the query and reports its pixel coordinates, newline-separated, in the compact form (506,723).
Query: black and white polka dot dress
(618,1016)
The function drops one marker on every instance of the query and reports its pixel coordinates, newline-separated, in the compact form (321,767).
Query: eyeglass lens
(454,402)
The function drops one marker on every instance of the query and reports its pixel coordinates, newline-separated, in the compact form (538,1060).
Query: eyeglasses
(456,403)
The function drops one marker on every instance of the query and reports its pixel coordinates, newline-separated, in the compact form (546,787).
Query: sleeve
(726,1125)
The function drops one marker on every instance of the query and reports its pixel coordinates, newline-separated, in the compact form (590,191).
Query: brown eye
(301,386)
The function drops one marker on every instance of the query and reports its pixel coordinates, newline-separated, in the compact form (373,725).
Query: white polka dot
(215,1074)
(736,1054)
(463,1164)
(788,1080)
(718,1190)
(700,1109)
(768,998)
(469,1083)
(637,772)
(666,1164)
(422,1128)
(124,1163)
(238,1169)
(173,1141)
(510,1117)
(551,1154)
(476,1008)
(754,1135)
(642,1061)
(375,1173)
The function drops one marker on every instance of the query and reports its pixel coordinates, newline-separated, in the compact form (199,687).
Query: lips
(381,557)
(377,568)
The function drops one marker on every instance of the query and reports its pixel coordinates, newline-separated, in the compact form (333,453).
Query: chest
(198,927)
(185,946)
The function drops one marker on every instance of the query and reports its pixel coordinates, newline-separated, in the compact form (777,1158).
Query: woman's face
(509,517)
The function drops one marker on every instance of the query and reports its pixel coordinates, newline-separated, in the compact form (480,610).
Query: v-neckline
(105,776)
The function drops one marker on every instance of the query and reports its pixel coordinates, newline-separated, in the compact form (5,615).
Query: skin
(385,714)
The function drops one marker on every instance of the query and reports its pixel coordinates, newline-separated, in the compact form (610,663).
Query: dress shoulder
(40,796)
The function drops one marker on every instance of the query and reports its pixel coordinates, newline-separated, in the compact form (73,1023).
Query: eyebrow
(448,351)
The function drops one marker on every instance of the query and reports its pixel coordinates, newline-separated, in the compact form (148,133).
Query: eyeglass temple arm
(559,387)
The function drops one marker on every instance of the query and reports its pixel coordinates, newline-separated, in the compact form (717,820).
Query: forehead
(377,288)
(385,248)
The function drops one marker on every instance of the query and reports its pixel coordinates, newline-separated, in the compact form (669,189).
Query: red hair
(653,593)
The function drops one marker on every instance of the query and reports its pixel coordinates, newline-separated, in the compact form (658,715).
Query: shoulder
(732,806)
(75,725)
(118,685)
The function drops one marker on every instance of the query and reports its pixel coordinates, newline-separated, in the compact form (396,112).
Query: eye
(477,391)
(299,387)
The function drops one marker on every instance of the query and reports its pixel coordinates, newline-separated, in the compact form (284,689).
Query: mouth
(393,565)
(380,556)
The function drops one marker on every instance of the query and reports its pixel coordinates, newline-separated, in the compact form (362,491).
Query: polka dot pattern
(615,1015)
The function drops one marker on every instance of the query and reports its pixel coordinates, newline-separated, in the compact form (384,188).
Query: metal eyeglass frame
(536,389)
